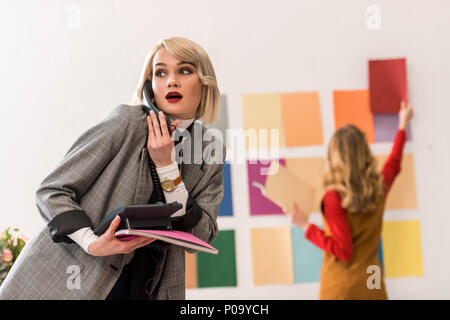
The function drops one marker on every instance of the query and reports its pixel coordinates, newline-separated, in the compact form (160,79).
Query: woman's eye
(186,71)
(160,73)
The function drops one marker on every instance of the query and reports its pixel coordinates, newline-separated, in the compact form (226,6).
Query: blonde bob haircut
(351,170)
(187,50)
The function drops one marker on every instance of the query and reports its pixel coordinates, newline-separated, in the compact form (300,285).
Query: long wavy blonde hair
(186,50)
(351,170)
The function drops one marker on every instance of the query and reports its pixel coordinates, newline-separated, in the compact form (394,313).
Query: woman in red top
(352,209)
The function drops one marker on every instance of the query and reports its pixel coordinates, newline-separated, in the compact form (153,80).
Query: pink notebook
(176,237)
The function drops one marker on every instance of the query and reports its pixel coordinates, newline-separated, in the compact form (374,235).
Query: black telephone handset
(158,195)
(147,96)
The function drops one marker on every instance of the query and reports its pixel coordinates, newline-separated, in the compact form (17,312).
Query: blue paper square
(307,258)
(226,207)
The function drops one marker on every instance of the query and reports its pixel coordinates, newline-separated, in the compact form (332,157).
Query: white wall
(57,80)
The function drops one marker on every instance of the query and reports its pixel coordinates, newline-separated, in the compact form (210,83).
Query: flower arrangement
(10,246)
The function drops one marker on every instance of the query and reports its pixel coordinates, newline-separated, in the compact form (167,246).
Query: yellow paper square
(272,256)
(403,191)
(311,171)
(301,119)
(263,111)
(402,249)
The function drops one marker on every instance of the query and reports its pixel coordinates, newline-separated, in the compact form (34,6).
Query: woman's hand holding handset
(160,145)
(107,244)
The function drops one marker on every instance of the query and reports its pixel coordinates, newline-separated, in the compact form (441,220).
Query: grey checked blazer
(107,167)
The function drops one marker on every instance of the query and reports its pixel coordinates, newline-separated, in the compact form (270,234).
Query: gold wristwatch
(169,185)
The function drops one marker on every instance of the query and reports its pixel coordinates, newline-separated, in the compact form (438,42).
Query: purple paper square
(259,204)
(386,126)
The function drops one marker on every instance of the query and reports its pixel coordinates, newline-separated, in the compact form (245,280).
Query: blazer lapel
(144,186)
(192,172)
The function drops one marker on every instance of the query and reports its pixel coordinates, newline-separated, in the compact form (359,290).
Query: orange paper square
(301,119)
(191,271)
(353,107)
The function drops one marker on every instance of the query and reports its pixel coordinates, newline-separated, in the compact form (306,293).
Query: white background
(65,64)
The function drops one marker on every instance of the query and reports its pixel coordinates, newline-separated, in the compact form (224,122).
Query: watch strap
(177,180)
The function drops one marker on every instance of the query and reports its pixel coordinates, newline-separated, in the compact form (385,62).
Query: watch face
(168,185)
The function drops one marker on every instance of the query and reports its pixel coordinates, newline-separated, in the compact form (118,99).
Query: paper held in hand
(284,188)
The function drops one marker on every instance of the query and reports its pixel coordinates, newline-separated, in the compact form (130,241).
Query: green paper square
(218,270)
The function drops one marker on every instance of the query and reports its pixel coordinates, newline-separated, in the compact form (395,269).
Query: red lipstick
(174,96)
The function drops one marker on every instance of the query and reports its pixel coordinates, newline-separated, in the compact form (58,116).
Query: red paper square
(387,85)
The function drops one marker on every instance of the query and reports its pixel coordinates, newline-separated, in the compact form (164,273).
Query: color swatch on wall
(353,107)
(226,207)
(257,175)
(386,127)
(272,256)
(301,119)
(205,270)
(307,258)
(387,85)
(380,255)
(263,112)
(403,191)
(296,115)
(402,250)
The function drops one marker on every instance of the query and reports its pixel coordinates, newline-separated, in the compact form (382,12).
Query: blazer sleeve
(202,210)
(59,194)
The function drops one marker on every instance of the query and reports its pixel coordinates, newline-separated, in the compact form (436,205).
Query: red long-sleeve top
(340,243)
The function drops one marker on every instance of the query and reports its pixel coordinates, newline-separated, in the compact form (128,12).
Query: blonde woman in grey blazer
(108,167)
